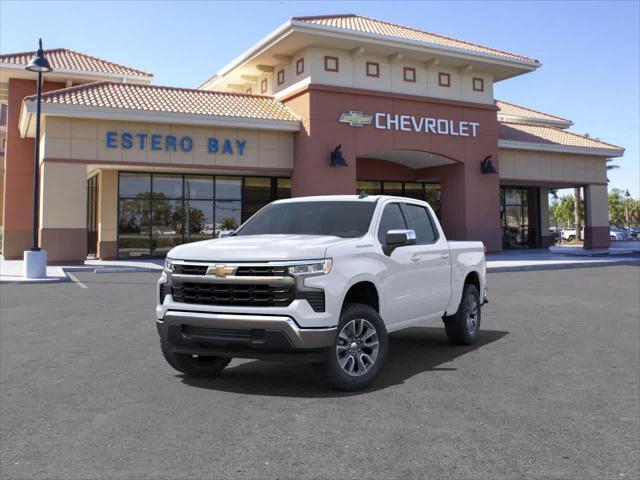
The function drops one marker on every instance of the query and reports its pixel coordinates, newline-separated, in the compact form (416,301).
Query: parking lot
(550,390)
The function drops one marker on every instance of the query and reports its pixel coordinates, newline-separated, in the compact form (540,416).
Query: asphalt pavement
(551,390)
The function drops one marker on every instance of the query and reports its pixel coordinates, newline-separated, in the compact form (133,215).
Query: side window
(419,219)
(392,219)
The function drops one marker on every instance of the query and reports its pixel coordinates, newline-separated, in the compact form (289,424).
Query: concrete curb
(562,266)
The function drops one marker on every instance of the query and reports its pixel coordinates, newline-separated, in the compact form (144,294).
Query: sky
(590,51)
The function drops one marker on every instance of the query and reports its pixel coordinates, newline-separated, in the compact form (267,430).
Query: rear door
(431,260)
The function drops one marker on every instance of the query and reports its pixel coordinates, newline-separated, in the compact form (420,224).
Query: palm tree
(611,167)
(576,210)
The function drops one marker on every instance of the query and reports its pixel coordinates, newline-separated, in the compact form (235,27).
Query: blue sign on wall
(171,143)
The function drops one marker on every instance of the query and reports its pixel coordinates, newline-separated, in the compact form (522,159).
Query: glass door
(92,216)
(519,215)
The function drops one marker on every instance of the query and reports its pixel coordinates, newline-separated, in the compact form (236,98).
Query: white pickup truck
(323,278)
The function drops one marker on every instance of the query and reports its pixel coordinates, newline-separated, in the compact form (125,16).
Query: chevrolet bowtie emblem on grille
(355,119)
(221,270)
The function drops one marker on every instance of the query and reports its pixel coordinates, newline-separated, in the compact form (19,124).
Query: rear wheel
(360,349)
(195,365)
(463,327)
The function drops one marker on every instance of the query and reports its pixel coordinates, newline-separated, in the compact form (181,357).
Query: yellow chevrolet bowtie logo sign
(355,119)
(221,270)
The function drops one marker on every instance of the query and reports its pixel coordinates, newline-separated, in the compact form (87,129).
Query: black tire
(366,365)
(460,329)
(195,366)
(571,238)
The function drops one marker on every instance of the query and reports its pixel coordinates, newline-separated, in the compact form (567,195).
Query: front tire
(463,327)
(360,349)
(195,366)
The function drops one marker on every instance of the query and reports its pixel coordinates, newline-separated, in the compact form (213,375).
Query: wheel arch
(363,291)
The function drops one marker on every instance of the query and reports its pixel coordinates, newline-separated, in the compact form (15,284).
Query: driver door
(399,291)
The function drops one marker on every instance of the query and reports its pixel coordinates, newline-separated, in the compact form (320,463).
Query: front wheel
(360,349)
(195,365)
(463,327)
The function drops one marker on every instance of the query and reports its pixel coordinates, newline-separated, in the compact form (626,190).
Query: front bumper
(239,335)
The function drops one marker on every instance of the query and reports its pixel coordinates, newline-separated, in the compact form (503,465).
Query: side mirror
(399,238)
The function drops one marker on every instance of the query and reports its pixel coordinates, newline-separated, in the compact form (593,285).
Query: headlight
(321,267)
(168,265)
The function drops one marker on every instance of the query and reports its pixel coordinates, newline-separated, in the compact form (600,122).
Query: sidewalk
(11,270)
(506,261)
(544,259)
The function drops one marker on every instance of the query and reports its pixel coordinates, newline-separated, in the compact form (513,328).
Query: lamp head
(486,166)
(337,160)
(39,62)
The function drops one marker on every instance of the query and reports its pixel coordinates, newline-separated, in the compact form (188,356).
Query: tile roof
(152,98)
(544,135)
(370,25)
(512,110)
(65,59)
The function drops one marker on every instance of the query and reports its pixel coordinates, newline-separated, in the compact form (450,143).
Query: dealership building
(323,105)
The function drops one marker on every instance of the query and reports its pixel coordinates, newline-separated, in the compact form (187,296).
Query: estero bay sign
(171,143)
(411,123)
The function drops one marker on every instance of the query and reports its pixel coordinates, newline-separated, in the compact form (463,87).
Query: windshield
(341,219)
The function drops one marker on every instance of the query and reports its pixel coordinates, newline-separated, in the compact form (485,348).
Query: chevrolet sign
(410,123)
(355,119)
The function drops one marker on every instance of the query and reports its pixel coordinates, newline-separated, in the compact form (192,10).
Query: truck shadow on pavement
(411,352)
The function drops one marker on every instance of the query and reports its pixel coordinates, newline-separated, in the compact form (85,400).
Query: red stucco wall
(470,200)
(18,178)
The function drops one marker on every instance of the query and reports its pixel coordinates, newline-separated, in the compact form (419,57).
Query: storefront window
(283,188)
(429,192)
(228,216)
(159,211)
(167,223)
(392,188)
(133,226)
(414,190)
(135,185)
(228,188)
(199,188)
(371,188)
(199,221)
(256,194)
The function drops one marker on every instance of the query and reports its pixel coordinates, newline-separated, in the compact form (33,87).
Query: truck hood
(252,248)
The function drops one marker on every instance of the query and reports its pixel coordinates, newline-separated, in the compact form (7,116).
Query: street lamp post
(626,208)
(35,260)
(555,204)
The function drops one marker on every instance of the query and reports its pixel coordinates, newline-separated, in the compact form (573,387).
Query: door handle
(444,255)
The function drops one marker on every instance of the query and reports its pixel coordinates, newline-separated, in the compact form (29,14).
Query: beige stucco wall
(597,211)
(552,167)
(81,139)
(108,206)
(63,196)
(352,73)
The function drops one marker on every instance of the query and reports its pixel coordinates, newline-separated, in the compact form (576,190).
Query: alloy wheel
(357,347)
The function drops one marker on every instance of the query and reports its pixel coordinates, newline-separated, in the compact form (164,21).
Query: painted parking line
(75,280)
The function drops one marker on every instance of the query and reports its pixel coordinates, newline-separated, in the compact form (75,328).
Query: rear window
(340,219)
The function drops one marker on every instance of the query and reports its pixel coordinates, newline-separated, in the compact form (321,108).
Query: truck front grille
(248,271)
(185,269)
(259,271)
(249,295)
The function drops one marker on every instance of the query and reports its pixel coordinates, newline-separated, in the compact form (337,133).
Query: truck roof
(338,198)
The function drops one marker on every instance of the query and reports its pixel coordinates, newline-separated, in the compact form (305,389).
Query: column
(18,174)
(596,216)
(107,214)
(546,240)
(63,211)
